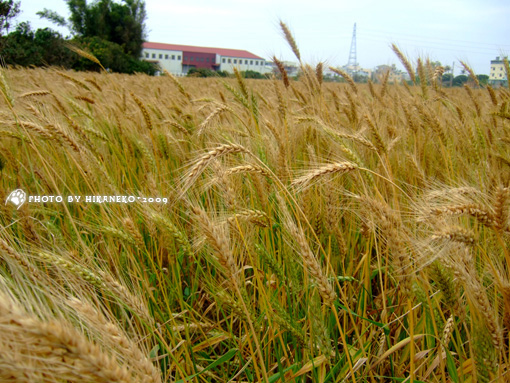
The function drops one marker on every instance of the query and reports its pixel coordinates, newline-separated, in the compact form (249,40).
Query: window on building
(223,60)
(229,61)
(178,57)
(185,58)
(160,56)
(154,55)
(202,59)
(146,55)
(235,61)
(251,62)
(173,57)
(166,57)
(191,58)
(256,63)
(207,60)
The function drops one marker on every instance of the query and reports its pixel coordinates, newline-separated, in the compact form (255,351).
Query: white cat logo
(17,197)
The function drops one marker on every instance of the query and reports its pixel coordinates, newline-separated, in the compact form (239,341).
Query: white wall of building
(166,59)
(228,63)
(497,71)
(172,61)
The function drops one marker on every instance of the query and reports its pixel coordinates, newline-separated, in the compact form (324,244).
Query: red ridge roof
(189,48)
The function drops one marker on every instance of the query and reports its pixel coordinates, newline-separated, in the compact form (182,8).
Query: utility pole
(453,71)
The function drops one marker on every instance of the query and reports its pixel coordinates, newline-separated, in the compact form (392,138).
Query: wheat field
(312,231)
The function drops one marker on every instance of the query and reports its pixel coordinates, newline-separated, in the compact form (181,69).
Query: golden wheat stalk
(283,71)
(56,347)
(220,243)
(74,80)
(145,113)
(471,72)
(30,126)
(290,40)
(479,212)
(456,234)
(85,54)
(241,82)
(35,93)
(86,99)
(334,168)
(405,62)
(256,217)
(247,169)
(94,84)
(178,84)
(129,350)
(347,78)
(312,265)
(206,159)
(423,78)
(308,258)
(215,113)
(21,261)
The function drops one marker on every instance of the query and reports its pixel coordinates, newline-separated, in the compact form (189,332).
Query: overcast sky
(475,31)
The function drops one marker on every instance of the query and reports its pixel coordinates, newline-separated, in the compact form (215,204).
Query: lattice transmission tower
(352,64)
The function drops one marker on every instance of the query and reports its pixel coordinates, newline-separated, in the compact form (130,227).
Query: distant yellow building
(497,74)
(396,76)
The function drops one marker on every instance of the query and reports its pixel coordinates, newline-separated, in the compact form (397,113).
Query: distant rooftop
(189,48)
(498,60)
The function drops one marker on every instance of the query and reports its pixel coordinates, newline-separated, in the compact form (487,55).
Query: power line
(453,41)
(459,50)
(434,44)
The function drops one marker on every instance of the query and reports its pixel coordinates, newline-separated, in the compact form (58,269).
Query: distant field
(312,232)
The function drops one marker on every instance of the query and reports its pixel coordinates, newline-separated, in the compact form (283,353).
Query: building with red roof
(178,59)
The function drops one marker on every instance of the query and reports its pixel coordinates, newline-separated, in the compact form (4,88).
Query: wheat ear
(334,168)
(56,347)
(290,39)
(347,78)
(206,159)
(85,54)
(405,62)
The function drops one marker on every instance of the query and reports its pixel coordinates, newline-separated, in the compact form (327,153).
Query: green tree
(483,79)
(460,80)
(200,72)
(252,74)
(46,47)
(121,23)
(447,77)
(111,56)
(18,47)
(40,48)
(204,72)
(359,78)
(9,9)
